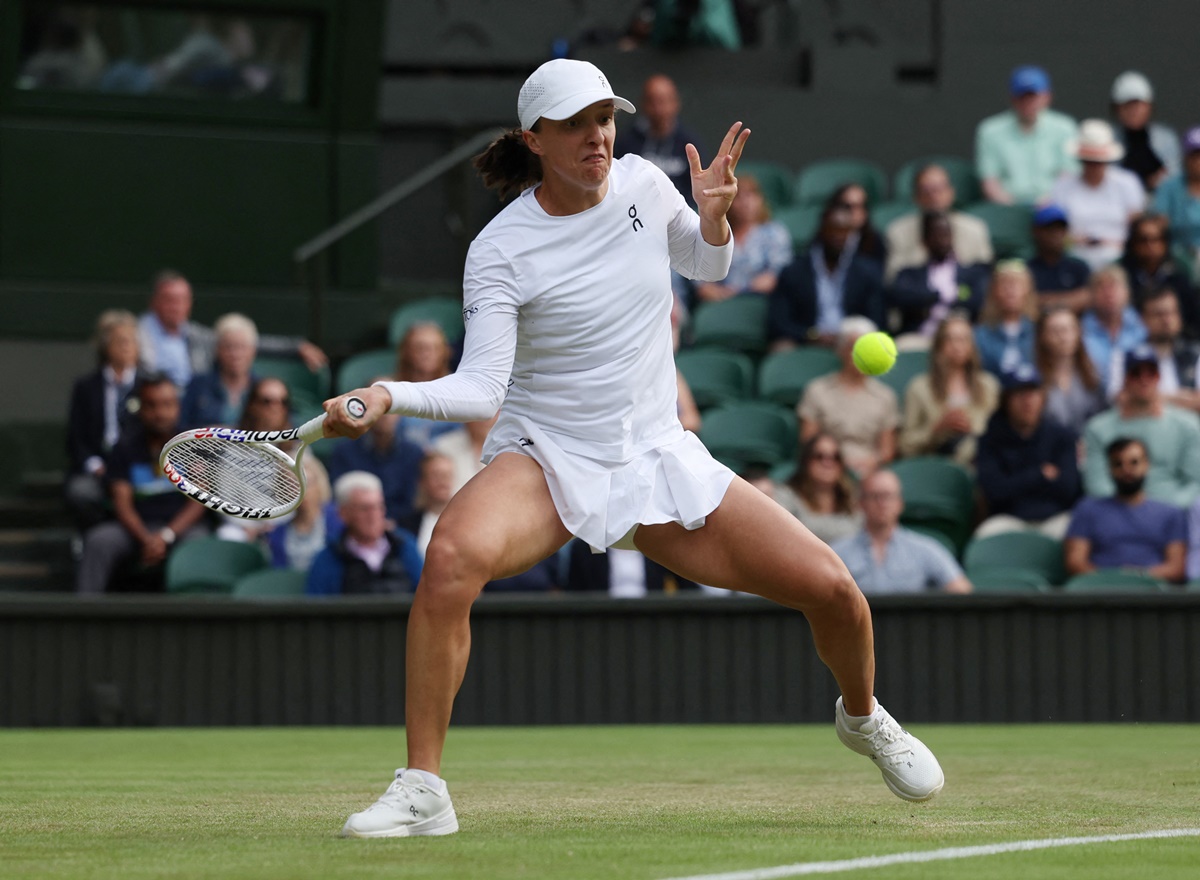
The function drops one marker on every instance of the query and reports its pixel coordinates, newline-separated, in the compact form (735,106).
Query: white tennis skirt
(604,502)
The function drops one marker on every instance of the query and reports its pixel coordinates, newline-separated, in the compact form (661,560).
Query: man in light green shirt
(1020,153)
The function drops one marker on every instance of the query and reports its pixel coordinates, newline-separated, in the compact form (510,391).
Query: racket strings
(244,474)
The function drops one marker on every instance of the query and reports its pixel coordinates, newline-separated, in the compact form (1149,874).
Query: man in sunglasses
(1170,435)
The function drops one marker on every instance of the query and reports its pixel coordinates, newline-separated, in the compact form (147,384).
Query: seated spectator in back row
(1179,198)
(933,192)
(367,557)
(865,240)
(925,294)
(826,282)
(1151,267)
(295,543)
(1005,331)
(1073,390)
(150,513)
(1027,466)
(170,342)
(819,493)
(1170,435)
(384,452)
(1111,327)
(947,408)
(1020,153)
(219,396)
(762,247)
(859,411)
(885,557)
(1151,148)
(1061,280)
(102,405)
(1128,530)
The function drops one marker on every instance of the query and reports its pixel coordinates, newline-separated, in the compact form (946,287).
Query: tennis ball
(874,353)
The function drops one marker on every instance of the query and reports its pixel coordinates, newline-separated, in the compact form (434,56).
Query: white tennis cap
(561,88)
(1131,86)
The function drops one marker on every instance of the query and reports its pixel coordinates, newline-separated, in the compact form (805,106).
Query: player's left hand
(714,187)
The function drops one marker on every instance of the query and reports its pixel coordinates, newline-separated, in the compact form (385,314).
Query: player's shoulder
(632,170)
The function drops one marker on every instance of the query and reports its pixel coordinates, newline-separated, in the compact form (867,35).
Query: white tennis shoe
(909,768)
(411,807)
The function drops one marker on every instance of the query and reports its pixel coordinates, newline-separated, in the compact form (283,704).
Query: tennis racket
(242,473)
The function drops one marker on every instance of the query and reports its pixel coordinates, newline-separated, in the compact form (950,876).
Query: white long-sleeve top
(568,319)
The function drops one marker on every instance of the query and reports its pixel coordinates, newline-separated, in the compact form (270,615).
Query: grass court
(588,803)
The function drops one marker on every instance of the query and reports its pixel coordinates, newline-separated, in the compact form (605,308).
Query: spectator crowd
(1060,369)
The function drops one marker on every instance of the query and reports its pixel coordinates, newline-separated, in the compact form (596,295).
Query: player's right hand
(339,422)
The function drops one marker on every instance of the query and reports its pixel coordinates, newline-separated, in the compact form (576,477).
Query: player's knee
(455,569)
(836,586)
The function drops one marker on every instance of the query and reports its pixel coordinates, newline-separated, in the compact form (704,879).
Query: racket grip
(313,429)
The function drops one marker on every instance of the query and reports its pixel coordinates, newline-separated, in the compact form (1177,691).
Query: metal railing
(311,258)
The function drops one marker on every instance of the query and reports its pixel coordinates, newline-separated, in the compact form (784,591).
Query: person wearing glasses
(885,557)
(820,493)
(1152,266)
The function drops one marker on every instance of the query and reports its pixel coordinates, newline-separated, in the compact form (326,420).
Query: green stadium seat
(938,493)
(801,222)
(357,370)
(716,376)
(308,388)
(755,433)
(930,531)
(774,180)
(1008,580)
(1009,225)
(445,312)
(738,323)
(817,181)
(960,171)
(211,565)
(1026,550)
(908,365)
(783,376)
(885,212)
(1115,581)
(271,583)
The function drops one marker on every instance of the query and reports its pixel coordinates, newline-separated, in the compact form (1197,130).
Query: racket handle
(313,429)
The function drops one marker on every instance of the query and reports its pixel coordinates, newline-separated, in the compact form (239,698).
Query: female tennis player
(567,302)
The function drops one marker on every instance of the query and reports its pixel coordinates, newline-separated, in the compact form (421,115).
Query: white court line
(934,855)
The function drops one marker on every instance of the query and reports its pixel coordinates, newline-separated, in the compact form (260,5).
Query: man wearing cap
(1060,279)
(1027,466)
(933,191)
(1021,152)
(1151,148)
(1101,200)
(1179,197)
(1171,436)
(1127,529)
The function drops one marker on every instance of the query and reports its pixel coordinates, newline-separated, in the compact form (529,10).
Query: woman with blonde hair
(295,543)
(947,408)
(1004,334)
(762,247)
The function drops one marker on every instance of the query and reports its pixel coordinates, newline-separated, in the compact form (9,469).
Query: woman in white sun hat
(1102,199)
(567,302)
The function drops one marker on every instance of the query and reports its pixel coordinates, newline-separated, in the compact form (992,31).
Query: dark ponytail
(508,165)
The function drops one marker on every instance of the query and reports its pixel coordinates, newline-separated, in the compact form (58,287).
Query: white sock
(854,722)
(430,778)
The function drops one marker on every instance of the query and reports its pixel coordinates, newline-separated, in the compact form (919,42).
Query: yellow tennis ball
(874,353)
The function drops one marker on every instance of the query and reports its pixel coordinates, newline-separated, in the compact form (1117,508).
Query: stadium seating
(211,565)
(1115,581)
(754,433)
(774,180)
(908,364)
(885,212)
(1008,580)
(801,222)
(357,370)
(1028,550)
(960,171)
(1009,225)
(817,181)
(939,494)
(270,582)
(443,311)
(738,323)
(308,389)
(937,534)
(716,376)
(782,377)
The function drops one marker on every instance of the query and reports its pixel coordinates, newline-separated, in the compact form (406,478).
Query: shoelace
(888,741)
(398,791)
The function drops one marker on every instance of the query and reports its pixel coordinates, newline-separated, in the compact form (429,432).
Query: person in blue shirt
(366,557)
(1004,335)
(1127,530)
(384,452)
(1179,197)
(218,397)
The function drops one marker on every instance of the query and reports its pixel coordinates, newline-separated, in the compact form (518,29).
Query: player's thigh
(499,524)
(750,543)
